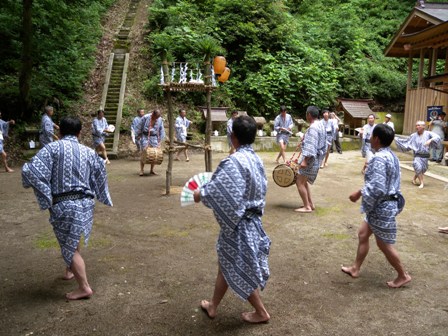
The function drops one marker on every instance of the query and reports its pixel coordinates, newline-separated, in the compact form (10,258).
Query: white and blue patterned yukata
(236,194)
(61,167)
(181,126)
(366,148)
(4,129)
(416,143)
(330,130)
(98,127)
(134,131)
(314,147)
(46,130)
(285,123)
(150,136)
(229,131)
(381,183)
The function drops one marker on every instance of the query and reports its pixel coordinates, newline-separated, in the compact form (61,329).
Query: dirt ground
(150,262)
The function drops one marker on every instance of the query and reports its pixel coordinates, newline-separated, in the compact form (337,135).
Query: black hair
(234,112)
(244,128)
(99,111)
(385,134)
(139,109)
(70,126)
(442,113)
(283,108)
(313,111)
(371,114)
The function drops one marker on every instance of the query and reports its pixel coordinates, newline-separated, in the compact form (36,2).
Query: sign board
(432,112)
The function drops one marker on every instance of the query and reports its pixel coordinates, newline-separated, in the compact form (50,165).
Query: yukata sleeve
(161,131)
(224,195)
(49,127)
(37,174)
(403,145)
(4,127)
(375,184)
(96,128)
(98,180)
(290,123)
(436,139)
(309,145)
(277,124)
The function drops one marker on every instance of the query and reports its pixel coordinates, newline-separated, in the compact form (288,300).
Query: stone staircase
(115,83)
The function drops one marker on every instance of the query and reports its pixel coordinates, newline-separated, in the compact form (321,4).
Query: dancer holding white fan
(236,194)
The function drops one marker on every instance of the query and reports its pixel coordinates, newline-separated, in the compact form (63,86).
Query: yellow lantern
(219,64)
(225,75)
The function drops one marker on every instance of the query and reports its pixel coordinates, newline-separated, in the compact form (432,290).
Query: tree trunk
(26,66)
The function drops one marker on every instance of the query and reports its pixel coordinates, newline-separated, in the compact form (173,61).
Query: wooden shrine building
(356,112)
(423,40)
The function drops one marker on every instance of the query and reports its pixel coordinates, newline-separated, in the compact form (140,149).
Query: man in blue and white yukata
(151,133)
(47,126)
(314,147)
(4,129)
(134,127)
(181,125)
(366,133)
(233,116)
(99,133)
(330,131)
(283,125)
(236,194)
(381,202)
(66,176)
(420,142)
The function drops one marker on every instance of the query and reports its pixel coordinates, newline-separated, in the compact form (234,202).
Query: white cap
(389,116)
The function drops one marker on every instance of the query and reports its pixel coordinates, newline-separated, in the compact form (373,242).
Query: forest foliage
(291,52)
(64,37)
(295,52)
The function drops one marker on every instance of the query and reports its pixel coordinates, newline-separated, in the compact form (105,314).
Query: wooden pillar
(409,82)
(434,56)
(421,67)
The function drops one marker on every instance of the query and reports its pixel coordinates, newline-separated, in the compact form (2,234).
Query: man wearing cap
(387,121)
(438,126)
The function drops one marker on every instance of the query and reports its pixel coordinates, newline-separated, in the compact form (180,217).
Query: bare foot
(187,159)
(421,186)
(79,294)
(208,309)
(414,181)
(254,317)
(303,210)
(107,161)
(153,173)
(141,174)
(350,271)
(443,229)
(9,170)
(399,281)
(176,159)
(326,165)
(68,275)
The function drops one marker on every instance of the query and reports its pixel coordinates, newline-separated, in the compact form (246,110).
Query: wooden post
(409,82)
(166,79)
(421,67)
(171,146)
(208,124)
(208,132)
